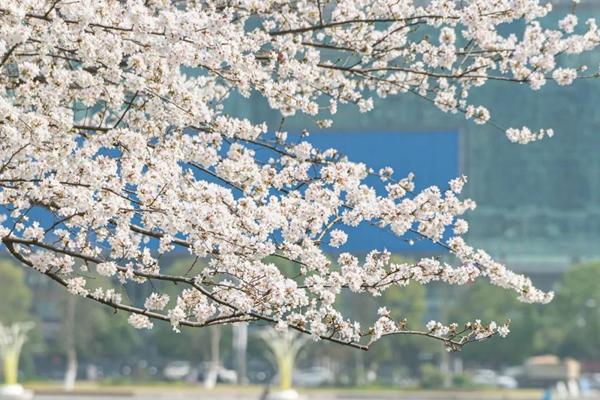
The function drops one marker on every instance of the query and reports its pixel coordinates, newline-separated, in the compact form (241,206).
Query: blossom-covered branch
(117,148)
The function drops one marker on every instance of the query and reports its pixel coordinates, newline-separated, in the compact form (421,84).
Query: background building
(538,204)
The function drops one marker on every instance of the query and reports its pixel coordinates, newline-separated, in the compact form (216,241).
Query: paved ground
(310,395)
(86,391)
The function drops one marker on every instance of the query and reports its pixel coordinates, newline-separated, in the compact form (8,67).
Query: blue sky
(432,156)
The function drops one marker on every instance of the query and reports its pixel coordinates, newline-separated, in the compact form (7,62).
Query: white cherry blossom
(113,121)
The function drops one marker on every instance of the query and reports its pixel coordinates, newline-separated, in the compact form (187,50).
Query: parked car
(314,376)
(259,371)
(488,377)
(177,370)
(224,375)
(594,380)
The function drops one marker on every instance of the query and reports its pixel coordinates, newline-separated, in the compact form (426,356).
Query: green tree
(490,303)
(100,332)
(397,351)
(15,296)
(576,312)
(196,345)
(189,344)
(406,303)
(89,333)
(15,306)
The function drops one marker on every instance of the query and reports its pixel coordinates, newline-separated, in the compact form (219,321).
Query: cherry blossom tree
(117,148)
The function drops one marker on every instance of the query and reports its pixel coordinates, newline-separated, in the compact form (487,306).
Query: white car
(314,376)
(177,370)
(488,377)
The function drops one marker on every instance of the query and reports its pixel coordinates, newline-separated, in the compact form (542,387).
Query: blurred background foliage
(569,326)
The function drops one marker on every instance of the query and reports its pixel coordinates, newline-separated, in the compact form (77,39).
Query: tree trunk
(240,345)
(210,380)
(71,371)
(359,368)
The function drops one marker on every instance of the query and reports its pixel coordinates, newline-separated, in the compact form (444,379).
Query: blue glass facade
(432,156)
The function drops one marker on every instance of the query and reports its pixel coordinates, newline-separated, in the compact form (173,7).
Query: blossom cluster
(112,121)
